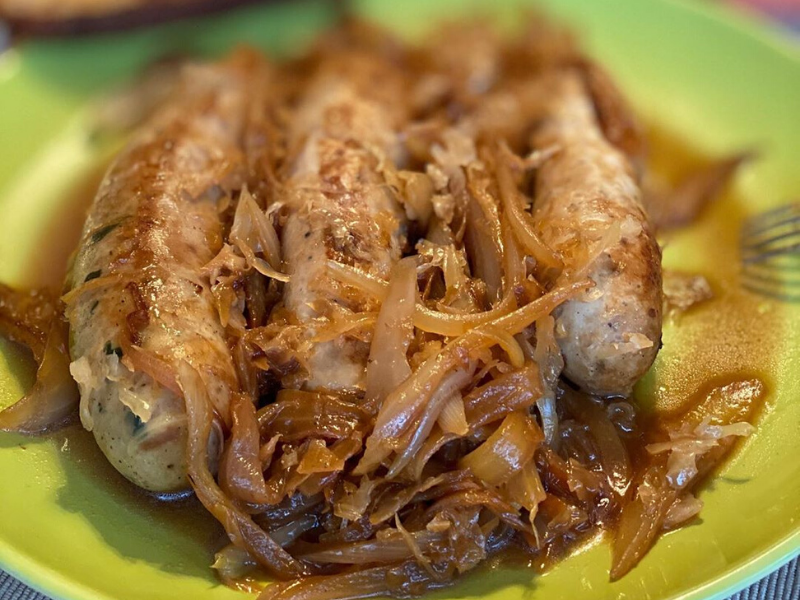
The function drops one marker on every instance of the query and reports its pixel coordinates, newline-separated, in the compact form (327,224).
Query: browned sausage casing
(344,132)
(140,305)
(588,208)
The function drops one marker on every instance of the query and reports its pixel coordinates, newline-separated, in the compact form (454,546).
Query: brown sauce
(182,514)
(736,335)
(729,338)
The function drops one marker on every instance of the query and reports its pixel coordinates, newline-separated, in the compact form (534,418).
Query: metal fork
(770,253)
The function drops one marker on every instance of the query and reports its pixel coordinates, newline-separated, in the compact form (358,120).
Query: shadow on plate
(177,536)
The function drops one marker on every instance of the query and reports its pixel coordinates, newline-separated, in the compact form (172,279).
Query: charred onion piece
(33,320)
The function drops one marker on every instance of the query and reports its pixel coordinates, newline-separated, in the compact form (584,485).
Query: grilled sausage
(588,208)
(340,208)
(139,305)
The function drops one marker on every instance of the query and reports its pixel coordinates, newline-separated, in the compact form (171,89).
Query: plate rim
(59,586)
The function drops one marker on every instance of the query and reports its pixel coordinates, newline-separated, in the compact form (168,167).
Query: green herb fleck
(136,423)
(109,349)
(103,232)
(93,275)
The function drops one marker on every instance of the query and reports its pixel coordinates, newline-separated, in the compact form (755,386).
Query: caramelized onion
(513,258)
(388,362)
(391,505)
(93,285)
(482,497)
(387,549)
(252,233)
(355,503)
(54,396)
(506,451)
(522,223)
(507,342)
(526,489)
(482,238)
(357,278)
(452,325)
(25,317)
(31,318)
(431,321)
(344,323)
(241,529)
(405,580)
(510,392)
(297,415)
(641,520)
(240,474)
(444,323)
(409,445)
(677,207)
(406,402)
(687,445)
(143,361)
(430,446)
(453,418)
(613,454)
(234,567)
(546,405)
(289,533)
(319,459)
(644,516)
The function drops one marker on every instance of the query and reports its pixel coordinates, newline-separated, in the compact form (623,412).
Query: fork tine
(770,279)
(768,219)
(784,263)
(775,295)
(768,214)
(752,239)
(772,252)
(769,244)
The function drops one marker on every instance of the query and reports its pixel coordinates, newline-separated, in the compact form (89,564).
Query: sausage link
(341,209)
(588,208)
(139,305)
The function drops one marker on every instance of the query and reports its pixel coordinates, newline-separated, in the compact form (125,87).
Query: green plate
(70,527)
